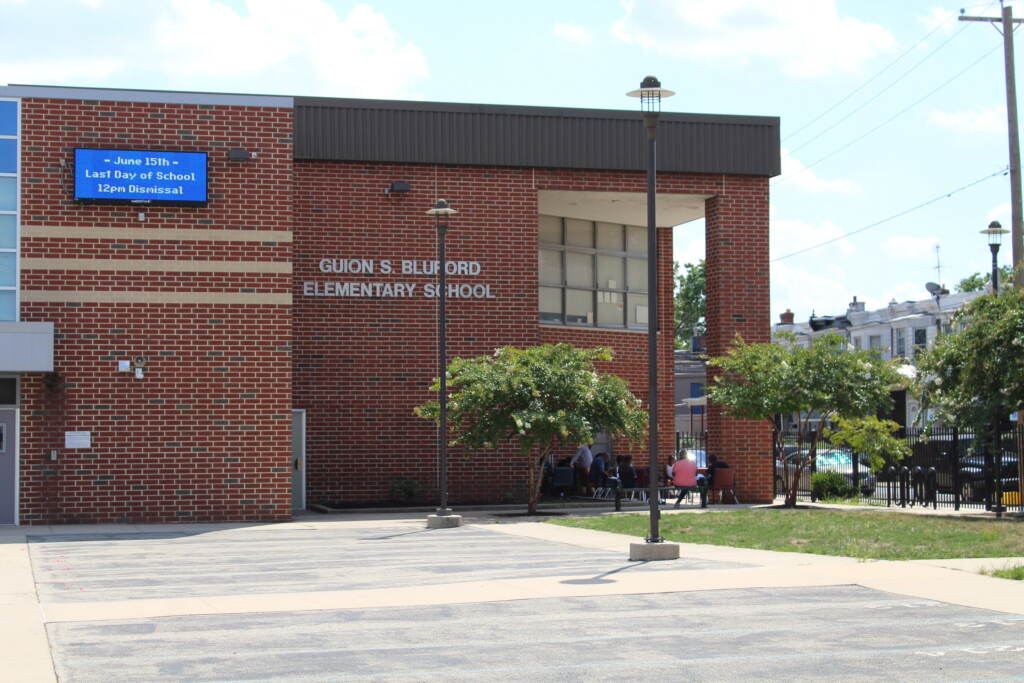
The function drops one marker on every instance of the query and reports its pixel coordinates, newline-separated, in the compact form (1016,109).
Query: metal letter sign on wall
(117,176)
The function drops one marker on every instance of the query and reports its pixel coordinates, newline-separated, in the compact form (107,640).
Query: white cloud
(807,37)
(359,55)
(823,290)
(910,248)
(571,33)
(999,213)
(58,71)
(939,16)
(990,120)
(788,236)
(795,174)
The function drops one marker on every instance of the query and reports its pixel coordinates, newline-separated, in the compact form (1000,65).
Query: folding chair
(725,482)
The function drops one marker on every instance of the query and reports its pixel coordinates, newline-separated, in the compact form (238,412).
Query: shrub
(404,490)
(831,485)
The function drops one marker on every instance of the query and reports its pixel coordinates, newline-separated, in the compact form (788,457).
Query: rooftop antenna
(938,263)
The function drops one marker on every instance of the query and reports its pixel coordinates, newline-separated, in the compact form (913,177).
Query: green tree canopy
(690,302)
(979,281)
(977,373)
(820,382)
(542,397)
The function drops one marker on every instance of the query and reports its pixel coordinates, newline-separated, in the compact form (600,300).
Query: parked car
(972,477)
(827,460)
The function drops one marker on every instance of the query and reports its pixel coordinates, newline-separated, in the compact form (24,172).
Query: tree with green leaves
(978,282)
(542,397)
(975,377)
(691,307)
(818,383)
(971,375)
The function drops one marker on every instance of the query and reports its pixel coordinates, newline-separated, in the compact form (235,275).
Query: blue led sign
(118,176)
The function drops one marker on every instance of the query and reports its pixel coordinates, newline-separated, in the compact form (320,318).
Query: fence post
(814,463)
(904,482)
(955,468)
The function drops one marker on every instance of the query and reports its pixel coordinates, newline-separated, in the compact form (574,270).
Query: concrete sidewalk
(61,587)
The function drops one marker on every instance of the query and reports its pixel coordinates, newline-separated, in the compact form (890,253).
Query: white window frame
(17,207)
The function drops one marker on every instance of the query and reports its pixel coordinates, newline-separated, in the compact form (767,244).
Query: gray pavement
(379,597)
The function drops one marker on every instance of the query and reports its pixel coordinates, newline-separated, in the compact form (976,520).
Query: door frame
(15,441)
(301,413)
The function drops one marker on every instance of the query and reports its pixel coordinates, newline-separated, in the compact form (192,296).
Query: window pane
(7,232)
(637,311)
(637,268)
(610,272)
(8,118)
(551,266)
(8,391)
(609,237)
(579,233)
(579,269)
(7,305)
(7,272)
(8,193)
(551,304)
(579,307)
(8,156)
(636,239)
(610,307)
(920,336)
(550,230)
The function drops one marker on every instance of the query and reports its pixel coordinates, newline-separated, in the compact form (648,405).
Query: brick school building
(219,307)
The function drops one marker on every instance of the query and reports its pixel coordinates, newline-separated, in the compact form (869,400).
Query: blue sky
(911,101)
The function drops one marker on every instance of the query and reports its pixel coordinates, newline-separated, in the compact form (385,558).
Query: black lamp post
(650,94)
(995,234)
(440,212)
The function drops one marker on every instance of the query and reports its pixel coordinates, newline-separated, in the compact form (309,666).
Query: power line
(1002,171)
(872,79)
(894,116)
(882,91)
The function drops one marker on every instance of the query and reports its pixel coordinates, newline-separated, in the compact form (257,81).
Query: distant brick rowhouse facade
(239,323)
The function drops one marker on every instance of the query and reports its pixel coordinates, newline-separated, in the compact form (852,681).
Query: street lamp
(444,516)
(995,234)
(651,94)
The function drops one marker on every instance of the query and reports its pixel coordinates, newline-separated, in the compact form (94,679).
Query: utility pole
(1005,25)
(1016,219)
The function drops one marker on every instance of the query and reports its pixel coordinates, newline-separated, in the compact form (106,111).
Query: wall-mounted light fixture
(240,155)
(398,187)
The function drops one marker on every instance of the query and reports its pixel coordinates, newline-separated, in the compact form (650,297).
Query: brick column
(738,303)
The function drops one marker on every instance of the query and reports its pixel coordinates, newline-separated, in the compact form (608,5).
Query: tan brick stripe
(135,297)
(178,235)
(156,265)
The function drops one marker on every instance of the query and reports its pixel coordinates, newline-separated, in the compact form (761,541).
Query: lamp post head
(995,233)
(650,94)
(441,208)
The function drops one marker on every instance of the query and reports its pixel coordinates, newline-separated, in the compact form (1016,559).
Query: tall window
(9,209)
(920,339)
(592,274)
(901,343)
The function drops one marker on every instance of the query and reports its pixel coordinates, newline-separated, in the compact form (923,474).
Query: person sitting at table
(599,473)
(627,473)
(684,477)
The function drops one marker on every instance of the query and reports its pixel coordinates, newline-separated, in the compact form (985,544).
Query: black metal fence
(947,467)
(695,444)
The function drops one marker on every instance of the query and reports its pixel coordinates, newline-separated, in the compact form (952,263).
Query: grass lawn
(868,534)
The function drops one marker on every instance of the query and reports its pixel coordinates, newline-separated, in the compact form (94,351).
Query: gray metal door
(8,467)
(298,460)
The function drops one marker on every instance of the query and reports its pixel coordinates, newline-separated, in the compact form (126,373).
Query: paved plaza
(380,597)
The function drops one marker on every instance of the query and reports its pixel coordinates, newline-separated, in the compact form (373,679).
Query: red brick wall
(361,366)
(206,435)
(738,304)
